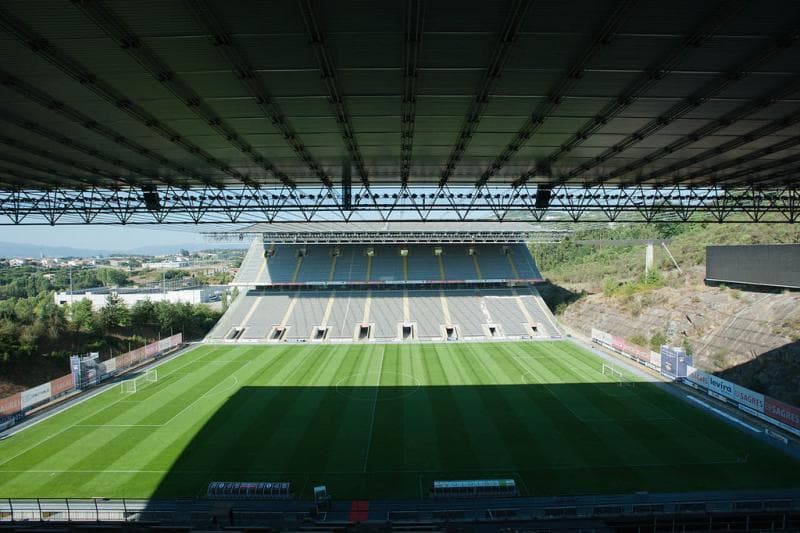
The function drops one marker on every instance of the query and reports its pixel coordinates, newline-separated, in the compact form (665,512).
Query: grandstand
(360,282)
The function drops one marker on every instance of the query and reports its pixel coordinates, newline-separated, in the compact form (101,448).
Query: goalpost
(615,374)
(130,386)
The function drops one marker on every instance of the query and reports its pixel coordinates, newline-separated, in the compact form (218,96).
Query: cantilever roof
(395,232)
(457,91)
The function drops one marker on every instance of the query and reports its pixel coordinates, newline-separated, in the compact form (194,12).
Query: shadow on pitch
(393,442)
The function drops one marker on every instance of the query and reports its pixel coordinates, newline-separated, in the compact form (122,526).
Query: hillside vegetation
(37,336)
(749,337)
(567,263)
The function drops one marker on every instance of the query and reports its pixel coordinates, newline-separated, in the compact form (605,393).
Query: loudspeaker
(151,200)
(543,193)
(347,194)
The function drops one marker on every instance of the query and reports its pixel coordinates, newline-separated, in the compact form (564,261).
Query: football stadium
(437,320)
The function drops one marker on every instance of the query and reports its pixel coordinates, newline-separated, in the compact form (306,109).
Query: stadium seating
(307,313)
(385,292)
(386,312)
(347,313)
(281,264)
(425,311)
(512,312)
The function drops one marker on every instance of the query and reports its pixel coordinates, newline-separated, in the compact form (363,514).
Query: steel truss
(245,204)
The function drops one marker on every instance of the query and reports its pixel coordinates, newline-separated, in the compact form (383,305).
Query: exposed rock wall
(725,328)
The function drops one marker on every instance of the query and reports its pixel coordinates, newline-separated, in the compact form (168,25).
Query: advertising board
(61,385)
(35,396)
(618,343)
(11,404)
(783,412)
(601,336)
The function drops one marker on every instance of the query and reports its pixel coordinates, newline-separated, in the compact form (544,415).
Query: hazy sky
(97,237)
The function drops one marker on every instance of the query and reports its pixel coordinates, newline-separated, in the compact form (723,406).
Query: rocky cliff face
(751,337)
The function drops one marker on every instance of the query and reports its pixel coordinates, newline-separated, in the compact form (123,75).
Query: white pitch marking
(372,418)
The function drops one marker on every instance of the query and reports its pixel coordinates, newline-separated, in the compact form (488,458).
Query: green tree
(657,340)
(143,313)
(115,313)
(111,277)
(175,274)
(83,319)
(51,317)
(687,346)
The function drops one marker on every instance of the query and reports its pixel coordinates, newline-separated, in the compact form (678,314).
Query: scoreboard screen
(771,265)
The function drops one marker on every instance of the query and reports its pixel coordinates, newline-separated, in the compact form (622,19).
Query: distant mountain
(15,249)
(18,249)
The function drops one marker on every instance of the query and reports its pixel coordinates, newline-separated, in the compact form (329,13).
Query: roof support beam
(790,142)
(561,88)
(21,179)
(787,176)
(699,97)
(767,130)
(70,113)
(232,53)
(724,11)
(243,204)
(758,170)
(118,31)
(89,169)
(55,178)
(63,140)
(335,96)
(39,45)
(507,36)
(408,112)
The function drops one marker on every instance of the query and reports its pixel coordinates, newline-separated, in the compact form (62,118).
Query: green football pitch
(384,421)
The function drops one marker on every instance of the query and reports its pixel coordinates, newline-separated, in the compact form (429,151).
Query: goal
(130,386)
(616,375)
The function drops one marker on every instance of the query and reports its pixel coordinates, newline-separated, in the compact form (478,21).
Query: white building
(166,265)
(130,296)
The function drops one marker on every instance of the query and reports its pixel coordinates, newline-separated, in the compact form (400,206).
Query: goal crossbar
(615,374)
(130,386)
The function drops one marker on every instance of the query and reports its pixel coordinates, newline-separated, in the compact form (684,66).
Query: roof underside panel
(79,107)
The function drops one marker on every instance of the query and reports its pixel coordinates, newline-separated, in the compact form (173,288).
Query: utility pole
(648,257)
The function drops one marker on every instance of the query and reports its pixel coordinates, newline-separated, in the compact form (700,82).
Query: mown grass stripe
(539,411)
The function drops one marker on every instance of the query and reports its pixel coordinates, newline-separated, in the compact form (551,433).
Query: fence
(13,408)
(279,514)
(641,355)
(782,415)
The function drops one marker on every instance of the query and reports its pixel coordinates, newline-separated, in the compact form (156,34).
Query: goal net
(130,386)
(617,376)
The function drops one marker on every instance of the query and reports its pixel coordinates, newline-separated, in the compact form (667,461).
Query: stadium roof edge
(396,232)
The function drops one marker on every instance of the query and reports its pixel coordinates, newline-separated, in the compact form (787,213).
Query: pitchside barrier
(15,407)
(780,414)
(288,513)
(643,356)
